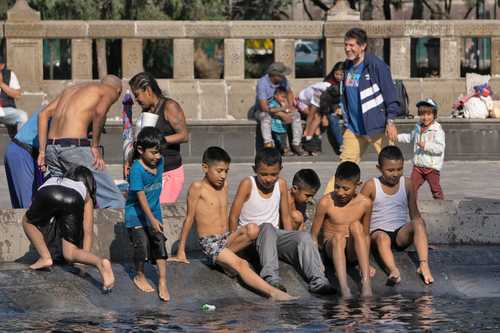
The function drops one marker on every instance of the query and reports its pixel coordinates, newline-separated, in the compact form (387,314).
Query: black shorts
(393,235)
(148,244)
(63,204)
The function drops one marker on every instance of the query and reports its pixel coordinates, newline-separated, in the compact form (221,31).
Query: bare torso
(74,110)
(211,211)
(338,219)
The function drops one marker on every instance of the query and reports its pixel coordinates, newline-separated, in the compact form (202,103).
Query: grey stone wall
(471,222)
(232,97)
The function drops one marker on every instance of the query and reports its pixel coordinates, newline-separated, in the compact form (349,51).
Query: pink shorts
(172,184)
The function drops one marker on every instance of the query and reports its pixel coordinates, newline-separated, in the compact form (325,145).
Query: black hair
(358,34)
(330,77)
(280,90)
(79,173)
(144,80)
(348,171)
(268,156)
(306,178)
(149,137)
(428,108)
(392,153)
(215,154)
(329,99)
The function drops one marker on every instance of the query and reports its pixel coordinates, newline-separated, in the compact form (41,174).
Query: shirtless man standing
(207,206)
(67,144)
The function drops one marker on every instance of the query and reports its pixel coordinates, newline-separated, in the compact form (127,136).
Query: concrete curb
(450,222)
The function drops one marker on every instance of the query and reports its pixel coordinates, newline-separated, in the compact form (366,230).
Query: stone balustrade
(233,96)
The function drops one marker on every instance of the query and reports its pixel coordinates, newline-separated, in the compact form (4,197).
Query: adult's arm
(175,116)
(98,117)
(242,195)
(43,127)
(10,91)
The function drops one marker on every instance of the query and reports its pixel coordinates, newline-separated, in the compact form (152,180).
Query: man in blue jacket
(369,98)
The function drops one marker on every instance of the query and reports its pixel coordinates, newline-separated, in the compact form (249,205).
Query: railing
(231,97)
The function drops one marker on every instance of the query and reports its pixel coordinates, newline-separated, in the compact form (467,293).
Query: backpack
(403,99)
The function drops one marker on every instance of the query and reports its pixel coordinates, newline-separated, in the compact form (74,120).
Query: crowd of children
(266,217)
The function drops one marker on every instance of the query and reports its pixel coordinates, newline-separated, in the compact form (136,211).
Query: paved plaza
(459,179)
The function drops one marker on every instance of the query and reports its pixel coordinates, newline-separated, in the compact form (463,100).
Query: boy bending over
(394,197)
(207,205)
(347,217)
(305,185)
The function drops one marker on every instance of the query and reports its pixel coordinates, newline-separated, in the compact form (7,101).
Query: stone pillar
(184,59)
(334,52)
(450,58)
(234,59)
(284,51)
(81,59)
(495,56)
(24,55)
(131,57)
(400,57)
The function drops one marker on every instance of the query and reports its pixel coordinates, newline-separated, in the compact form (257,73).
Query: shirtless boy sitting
(393,199)
(305,185)
(207,206)
(345,218)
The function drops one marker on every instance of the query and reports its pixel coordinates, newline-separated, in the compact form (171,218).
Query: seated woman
(70,201)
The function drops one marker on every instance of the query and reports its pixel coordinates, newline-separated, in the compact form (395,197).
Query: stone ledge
(473,222)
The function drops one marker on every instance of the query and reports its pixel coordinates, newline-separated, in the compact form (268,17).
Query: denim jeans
(60,158)
(335,131)
(264,119)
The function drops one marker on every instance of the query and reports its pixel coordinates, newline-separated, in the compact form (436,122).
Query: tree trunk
(102,65)
(417,12)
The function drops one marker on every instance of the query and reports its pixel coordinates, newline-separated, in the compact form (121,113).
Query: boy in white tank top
(394,199)
(263,200)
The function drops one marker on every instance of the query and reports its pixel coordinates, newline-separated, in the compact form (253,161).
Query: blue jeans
(335,131)
(60,158)
(23,176)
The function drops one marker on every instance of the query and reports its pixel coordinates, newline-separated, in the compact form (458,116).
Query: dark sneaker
(297,150)
(325,289)
(279,286)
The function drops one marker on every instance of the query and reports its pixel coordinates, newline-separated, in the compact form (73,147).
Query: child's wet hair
(79,173)
(348,171)
(392,153)
(268,156)
(149,137)
(215,154)
(306,178)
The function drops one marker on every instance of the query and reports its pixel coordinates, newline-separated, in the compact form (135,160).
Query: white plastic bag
(477,108)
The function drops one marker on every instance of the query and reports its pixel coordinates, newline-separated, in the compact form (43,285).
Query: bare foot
(346,293)
(163,291)
(425,273)
(371,270)
(366,290)
(42,263)
(278,295)
(143,284)
(108,278)
(394,278)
